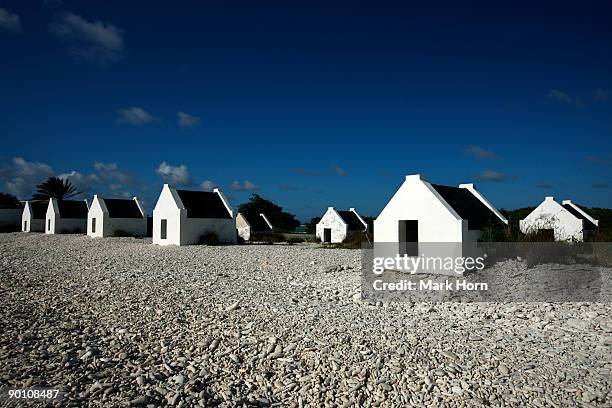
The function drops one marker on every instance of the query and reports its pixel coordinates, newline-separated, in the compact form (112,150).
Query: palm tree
(55,187)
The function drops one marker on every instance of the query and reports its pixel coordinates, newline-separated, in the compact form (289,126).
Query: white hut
(434,222)
(110,217)
(183,217)
(336,225)
(258,224)
(66,216)
(33,216)
(564,222)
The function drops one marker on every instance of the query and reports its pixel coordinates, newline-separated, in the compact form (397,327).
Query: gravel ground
(120,322)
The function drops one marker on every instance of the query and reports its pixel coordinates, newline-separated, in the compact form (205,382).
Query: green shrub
(353,240)
(267,237)
(292,240)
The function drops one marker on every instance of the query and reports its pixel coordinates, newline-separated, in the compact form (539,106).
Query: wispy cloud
(600,186)
(186,120)
(479,152)
(601,95)
(601,160)
(207,185)
(246,186)
(176,175)
(340,171)
(134,115)
(84,183)
(560,96)
(495,176)
(111,174)
(21,176)
(94,41)
(10,21)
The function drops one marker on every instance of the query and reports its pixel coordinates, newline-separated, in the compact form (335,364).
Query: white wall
(243,227)
(551,215)
(167,208)
(51,217)
(96,211)
(331,219)
(10,218)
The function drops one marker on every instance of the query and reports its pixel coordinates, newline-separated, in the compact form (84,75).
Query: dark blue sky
(310,107)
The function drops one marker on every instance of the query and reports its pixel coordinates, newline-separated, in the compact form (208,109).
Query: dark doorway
(409,237)
(149,226)
(25,225)
(326,234)
(545,235)
(164,229)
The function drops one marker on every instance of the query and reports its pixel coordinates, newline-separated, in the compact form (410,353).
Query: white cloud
(21,176)
(601,95)
(340,171)
(84,183)
(177,175)
(246,186)
(207,185)
(560,96)
(490,175)
(96,41)
(10,21)
(480,152)
(110,173)
(134,115)
(186,120)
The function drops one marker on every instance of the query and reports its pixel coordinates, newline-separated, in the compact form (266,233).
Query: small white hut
(109,217)
(33,216)
(66,216)
(336,225)
(184,217)
(564,222)
(258,224)
(433,222)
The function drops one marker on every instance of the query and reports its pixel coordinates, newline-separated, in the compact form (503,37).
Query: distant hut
(109,217)
(336,225)
(66,216)
(247,227)
(33,216)
(184,217)
(562,222)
